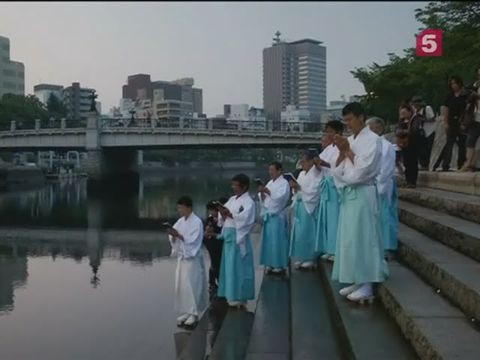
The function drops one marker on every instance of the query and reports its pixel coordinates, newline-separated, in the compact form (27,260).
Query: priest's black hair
(243,180)
(185,201)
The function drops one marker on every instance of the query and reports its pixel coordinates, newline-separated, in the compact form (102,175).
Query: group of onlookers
(461,120)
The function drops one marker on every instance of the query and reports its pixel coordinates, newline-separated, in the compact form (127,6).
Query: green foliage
(55,107)
(405,76)
(23,109)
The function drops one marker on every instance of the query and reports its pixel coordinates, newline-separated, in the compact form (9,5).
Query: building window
(8,72)
(21,74)
(9,85)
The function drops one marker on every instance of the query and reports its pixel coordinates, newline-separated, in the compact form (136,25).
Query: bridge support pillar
(13,125)
(37,124)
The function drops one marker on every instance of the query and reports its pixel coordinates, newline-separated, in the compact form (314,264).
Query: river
(91,278)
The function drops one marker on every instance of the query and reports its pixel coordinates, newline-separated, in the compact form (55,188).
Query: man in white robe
(237,275)
(190,282)
(386,187)
(273,200)
(359,258)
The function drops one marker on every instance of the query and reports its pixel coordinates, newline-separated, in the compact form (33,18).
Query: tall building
(141,87)
(77,101)
(44,91)
(12,73)
(294,73)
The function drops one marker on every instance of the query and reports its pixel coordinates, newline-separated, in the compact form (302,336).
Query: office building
(245,117)
(141,87)
(294,73)
(12,73)
(77,101)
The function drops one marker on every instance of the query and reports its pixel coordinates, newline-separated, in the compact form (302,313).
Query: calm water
(84,278)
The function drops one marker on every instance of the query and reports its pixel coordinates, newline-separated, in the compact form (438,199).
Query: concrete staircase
(434,289)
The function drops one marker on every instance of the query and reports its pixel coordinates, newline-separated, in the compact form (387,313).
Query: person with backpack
(427,134)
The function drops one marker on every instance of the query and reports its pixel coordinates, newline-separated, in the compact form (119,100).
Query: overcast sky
(218,44)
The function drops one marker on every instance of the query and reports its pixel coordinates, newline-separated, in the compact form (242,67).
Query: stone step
(200,341)
(456,233)
(455,275)
(234,336)
(312,331)
(467,183)
(365,331)
(461,205)
(270,335)
(434,327)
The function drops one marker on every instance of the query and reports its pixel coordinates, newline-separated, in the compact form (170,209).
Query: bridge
(115,146)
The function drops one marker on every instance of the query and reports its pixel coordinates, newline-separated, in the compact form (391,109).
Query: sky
(218,44)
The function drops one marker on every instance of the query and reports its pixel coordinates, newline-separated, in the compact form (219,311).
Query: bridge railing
(197,125)
(213,124)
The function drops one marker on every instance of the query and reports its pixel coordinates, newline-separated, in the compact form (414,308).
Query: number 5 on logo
(429,42)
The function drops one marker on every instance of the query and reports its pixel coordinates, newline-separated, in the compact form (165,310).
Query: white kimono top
(329,155)
(243,212)
(310,188)
(367,147)
(276,202)
(387,169)
(191,229)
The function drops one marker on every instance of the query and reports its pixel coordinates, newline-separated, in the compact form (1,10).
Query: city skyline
(104,43)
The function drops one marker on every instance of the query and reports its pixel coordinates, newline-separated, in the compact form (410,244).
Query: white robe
(309,188)
(276,202)
(190,278)
(243,221)
(387,170)
(367,148)
(329,155)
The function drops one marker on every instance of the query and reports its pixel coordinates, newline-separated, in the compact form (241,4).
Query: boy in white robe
(386,187)
(305,203)
(359,258)
(273,199)
(190,282)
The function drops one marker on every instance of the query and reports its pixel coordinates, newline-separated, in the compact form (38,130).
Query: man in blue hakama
(305,203)
(386,186)
(237,276)
(359,257)
(273,200)
(327,224)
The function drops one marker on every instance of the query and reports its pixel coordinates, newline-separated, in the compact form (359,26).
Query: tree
(23,109)
(405,76)
(55,107)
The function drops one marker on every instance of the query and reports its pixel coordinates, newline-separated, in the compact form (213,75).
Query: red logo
(429,42)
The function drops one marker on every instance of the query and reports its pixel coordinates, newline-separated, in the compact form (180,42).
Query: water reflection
(66,203)
(90,278)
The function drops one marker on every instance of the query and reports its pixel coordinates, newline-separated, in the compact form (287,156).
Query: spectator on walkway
(471,124)
(455,105)
(409,134)
(428,126)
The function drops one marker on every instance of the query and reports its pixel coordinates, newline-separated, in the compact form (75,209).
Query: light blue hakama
(237,276)
(303,233)
(390,220)
(327,224)
(274,251)
(359,254)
